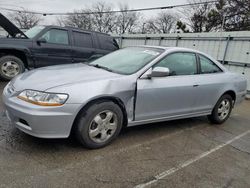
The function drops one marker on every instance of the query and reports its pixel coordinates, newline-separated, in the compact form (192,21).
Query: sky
(71,5)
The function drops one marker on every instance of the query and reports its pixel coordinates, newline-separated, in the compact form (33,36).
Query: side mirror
(41,40)
(160,72)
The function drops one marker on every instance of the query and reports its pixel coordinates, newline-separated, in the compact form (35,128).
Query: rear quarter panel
(213,86)
(232,82)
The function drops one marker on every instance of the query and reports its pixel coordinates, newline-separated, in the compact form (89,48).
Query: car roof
(169,48)
(180,49)
(176,49)
(75,28)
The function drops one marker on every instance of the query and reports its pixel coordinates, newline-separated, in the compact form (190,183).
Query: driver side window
(180,63)
(56,36)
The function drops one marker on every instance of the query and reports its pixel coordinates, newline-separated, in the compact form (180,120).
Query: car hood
(54,76)
(6,42)
(10,27)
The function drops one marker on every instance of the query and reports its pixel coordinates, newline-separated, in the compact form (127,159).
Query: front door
(55,48)
(170,96)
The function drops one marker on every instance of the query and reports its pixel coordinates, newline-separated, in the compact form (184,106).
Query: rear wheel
(99,125)
(222,110)
(10,66)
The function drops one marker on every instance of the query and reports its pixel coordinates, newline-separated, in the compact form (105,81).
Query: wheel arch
(113,99)
(231,93)
(17,53)
(213,117)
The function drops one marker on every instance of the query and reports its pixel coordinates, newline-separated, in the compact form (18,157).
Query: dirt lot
(183,153)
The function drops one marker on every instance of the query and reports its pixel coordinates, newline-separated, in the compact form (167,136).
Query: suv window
(207,66)
(82,39)
(179,63)
(107,42)
(56,36)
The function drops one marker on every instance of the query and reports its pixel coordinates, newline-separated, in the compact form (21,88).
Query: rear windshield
(128,60)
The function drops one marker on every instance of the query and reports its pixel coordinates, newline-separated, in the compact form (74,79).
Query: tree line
(224,15)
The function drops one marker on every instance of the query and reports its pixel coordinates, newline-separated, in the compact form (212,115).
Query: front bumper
(40,121)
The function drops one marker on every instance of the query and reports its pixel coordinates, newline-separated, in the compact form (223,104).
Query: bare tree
(78,19)
(126,22)
(24,19)
(196,16)
(102,20)
(164,22)
(99,17)
(96,18)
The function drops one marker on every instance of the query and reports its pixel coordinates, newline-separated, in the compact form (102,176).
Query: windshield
(31,33)
(128,60)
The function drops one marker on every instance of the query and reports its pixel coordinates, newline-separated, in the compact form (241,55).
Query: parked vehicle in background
(49,45)
(131,86)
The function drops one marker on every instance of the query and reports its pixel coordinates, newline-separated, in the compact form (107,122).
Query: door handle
(196,85)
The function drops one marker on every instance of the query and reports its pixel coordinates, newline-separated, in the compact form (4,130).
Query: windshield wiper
(101,67)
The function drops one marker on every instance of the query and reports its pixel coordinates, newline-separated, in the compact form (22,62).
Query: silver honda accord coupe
(131,86)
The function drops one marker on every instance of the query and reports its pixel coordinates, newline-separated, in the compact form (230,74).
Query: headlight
(43,98)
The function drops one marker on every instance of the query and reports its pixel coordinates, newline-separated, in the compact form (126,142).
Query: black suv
(49,45)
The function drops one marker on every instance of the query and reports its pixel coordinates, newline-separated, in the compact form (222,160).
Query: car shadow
(17,140)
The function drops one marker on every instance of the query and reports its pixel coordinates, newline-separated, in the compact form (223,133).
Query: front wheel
(10,66)
(99,125)
(222,110)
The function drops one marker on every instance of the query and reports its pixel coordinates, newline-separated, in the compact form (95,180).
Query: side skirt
(183,116)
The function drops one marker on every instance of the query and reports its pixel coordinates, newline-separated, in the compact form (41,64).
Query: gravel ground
(183,153)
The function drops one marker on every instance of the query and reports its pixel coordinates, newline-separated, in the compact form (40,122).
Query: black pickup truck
(48,45)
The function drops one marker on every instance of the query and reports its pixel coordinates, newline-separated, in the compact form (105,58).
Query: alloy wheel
(224,109)
(103,126)
(10,69)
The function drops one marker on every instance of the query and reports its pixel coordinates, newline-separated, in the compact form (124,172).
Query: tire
(10,66)
(99,125)
(222,110)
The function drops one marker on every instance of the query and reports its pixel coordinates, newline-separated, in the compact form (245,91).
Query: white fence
(230,48)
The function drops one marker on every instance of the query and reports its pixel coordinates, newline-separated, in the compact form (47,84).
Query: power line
(107,12)
(11,5)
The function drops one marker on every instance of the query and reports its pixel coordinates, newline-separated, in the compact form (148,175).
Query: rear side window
(107,43)
(207,66)
(179,63)
(82,39)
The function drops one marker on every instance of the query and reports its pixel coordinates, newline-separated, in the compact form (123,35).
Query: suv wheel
(10,66)
(222,110)
(99,124)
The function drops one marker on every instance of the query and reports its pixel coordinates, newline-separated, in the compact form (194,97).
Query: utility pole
(221,30)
